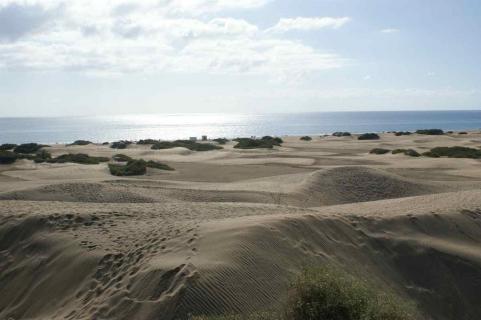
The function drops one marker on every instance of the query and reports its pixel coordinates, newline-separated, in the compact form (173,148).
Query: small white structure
(193,138)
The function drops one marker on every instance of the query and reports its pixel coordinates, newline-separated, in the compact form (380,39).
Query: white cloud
(306,24)
(390,30)
(115,37)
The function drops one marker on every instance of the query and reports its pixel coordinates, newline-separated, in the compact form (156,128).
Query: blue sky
(84,57)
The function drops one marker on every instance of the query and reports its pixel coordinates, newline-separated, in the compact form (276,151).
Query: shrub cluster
(122,144)
(7,157)
(79,158)
(368,136)
(121,158)
(221,140)
(306,138)
(28,148)
(407,152)
(147,141)
(341,134)
(136,167)
(7,146)
(454,152)
(462,132)
(379,151)
(432,132)
(274,140)
(191,145)
(80,143)
(402,133)
(42,156)
(248,143)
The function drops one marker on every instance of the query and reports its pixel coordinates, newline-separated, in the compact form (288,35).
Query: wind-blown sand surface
(229,229)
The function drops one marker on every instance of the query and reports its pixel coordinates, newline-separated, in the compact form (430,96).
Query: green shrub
(368,136)
(121,158)
(248,143)
(462,132)
(454,152)
(191,145)
(432,132)
(120,144)
(79,158)
(221,140)
(7,146)
(379,151)
(80,143)
(7,157)
(42,156)
(132,168)
(306,138)
(341,134)
(147,141)
(28,148)
(402,133)
(407,152)
(274,140)
(158,165)
(105,143)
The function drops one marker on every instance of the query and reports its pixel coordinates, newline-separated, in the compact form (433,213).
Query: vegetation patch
(432,132)
(136,167)
(462,132)
(42,156)
(379,151)
(123,144)
(368,136)
(191,145)
(28,148)
(80,143)
(454,152)
(7,146)
(7,157)
(158,165)
(306,138)
(248,143)
(79,158)
(402,133)
(341,134)
(221,140)
(148,141)
(407,152)
(274,140)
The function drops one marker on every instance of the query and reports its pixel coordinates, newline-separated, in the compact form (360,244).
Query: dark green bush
(248,143)
(191,145)
(454,152)
(105,143)
(221,140)
(306,138)
(42,156)
(7,157)
(132,168)
(28,148)
(432,132)
(274,140)
(379,151)
(147,141)
(462,132)
(402,133)
(80,143)
(79,158)
(7,146)
(341,134)
(120,144)
(121,158)
(407,152)
(368,136)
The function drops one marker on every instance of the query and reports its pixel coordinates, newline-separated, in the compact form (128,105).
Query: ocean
(182,126)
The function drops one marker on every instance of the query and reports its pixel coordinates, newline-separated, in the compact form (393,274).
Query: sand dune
(223,235)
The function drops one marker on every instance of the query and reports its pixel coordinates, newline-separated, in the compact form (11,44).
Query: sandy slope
(228,229)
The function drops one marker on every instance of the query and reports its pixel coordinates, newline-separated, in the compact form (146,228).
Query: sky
(92,57)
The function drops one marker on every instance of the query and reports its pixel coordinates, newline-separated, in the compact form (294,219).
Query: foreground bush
(432,132)
(379,151)
(306,138)
(7,157)
(368,136)
(274,140)
(407,152)
(454,152)
(136,167)
(191,145)
(341,134)
(28,148)
(7,146)
(80,158)
(80,143)
(328,293)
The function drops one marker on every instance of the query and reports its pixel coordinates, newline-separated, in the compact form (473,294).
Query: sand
(228,230)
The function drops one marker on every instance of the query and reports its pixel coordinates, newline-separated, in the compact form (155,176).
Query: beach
(227,230)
